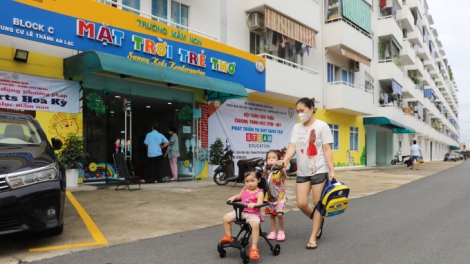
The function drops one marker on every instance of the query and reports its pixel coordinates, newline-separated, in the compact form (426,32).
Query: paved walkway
(167,208)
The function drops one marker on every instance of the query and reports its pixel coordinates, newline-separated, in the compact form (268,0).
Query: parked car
(451,156)
(32,182)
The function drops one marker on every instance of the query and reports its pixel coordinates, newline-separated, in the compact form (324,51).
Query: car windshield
(15,130)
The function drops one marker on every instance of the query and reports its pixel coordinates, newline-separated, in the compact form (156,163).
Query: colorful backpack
(334,199)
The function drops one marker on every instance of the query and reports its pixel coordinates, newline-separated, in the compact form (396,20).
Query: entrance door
(105,128)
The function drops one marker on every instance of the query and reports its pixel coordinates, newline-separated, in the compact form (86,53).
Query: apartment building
(377,71)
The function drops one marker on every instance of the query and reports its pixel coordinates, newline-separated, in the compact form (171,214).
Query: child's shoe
(271,236)
(226,240)
(254,253)
(281,236)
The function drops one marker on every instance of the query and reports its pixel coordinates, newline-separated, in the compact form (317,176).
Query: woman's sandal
(311,243)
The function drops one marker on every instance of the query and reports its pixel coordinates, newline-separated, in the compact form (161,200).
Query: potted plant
(72,157)
(216,151)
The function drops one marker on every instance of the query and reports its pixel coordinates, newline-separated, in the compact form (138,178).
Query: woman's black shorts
(314,179)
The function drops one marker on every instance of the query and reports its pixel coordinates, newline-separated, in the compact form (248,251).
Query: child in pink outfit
(251,195)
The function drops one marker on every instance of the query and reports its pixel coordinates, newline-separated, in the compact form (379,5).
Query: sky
(452,27)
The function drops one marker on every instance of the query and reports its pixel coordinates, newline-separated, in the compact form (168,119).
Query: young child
(276,207)
(251,195)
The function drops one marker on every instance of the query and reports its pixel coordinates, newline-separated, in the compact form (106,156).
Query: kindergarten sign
(252,128)
(26,92)
(89,25)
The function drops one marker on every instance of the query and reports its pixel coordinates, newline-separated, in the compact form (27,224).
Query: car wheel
(55,231)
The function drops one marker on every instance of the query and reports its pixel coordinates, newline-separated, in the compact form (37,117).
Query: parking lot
(99,216)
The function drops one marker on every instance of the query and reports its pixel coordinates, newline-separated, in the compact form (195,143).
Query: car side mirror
(56,143)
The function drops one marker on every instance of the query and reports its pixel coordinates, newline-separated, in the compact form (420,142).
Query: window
(179,13)
(335,132)
(330,72)
(353,138)
(174,11)
(107,3)
(369,85)
(133,4)
(160,8)
(347,77)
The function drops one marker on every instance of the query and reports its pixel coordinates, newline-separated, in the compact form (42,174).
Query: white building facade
(377,69)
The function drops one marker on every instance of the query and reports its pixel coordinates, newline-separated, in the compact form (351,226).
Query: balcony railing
(158,19)
(351,24)
(355,86)
(288,63)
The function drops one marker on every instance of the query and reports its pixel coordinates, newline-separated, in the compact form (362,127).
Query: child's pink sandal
(281,236)
(271,236)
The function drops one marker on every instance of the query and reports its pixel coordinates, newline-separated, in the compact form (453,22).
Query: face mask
(305,117)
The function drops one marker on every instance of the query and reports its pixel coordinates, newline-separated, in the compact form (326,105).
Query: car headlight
(17,181)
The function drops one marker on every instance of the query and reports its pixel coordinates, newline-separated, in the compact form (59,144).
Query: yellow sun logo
(92,166)
(186,163)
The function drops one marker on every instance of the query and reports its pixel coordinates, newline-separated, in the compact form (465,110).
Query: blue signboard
(135,37)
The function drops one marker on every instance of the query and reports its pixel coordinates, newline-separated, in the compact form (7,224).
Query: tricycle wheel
(244,256)
(276,250)
(221,251)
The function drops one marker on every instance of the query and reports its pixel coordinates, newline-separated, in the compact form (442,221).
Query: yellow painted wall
(344,122)
(54,124)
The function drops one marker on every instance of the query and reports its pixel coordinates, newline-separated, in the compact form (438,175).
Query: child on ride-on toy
(251,195)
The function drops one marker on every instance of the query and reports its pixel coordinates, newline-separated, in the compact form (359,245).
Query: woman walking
(311,141)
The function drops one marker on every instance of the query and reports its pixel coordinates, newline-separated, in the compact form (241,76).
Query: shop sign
(26,92)
(90,25)
(252,128)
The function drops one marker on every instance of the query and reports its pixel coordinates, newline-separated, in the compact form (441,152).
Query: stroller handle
(265,203)
(274,167)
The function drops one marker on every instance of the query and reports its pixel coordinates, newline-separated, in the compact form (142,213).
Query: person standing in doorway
(415,154)
(155,142)
(173,152)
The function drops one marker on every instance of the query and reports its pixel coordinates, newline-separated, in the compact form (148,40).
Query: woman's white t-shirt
(315,164)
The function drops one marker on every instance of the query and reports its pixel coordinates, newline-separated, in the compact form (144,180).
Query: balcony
(430,64)
(277,83)
(417,66)
(424,53)
(411,91)
(434,74)
(427,80)
(406,18)
(303,15)
(407,53)
(416,37)
(416,4)
(388,26)
(388,70)
(349,99)
(342,33)
(396,114)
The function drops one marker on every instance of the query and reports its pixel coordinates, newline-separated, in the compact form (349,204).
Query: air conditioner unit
(405,33)
(257,22)
(353,66)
